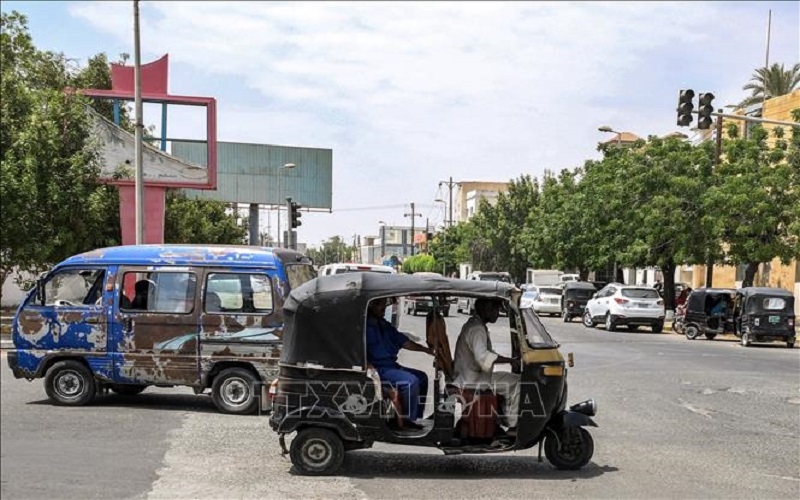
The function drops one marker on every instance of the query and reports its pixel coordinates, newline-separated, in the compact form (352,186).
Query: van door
(241,319)
(70,316)
(157,323)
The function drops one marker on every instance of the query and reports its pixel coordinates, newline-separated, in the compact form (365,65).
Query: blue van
(124,318)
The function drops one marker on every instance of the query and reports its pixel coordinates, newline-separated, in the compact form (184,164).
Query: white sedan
(543,299)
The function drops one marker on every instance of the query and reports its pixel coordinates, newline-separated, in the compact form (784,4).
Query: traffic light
(685,107)
(294,215)
(704,110)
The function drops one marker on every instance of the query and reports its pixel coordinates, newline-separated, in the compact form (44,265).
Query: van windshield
(297,274)
(495,277)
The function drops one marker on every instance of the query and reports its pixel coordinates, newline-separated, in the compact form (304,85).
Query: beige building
(467,196)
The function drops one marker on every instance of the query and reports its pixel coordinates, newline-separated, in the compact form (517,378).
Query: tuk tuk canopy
(325,318)
(764,300)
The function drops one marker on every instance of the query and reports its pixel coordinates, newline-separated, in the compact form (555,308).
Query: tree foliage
(768,82)
(331,251)
(53,205)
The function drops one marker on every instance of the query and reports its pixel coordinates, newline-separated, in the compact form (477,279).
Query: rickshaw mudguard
(568,418)
(312,416)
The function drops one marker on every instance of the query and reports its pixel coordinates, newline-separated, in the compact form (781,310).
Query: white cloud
(408,94)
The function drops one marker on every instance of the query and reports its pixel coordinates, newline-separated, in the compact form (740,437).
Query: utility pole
(412,215)
(450,185)
(139,128)
(717,157)
(427,228)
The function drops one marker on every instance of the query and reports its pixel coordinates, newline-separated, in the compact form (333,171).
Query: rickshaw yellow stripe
(541,356)
(554,371)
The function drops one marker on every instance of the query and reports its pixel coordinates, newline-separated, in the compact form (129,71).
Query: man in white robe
(474,360)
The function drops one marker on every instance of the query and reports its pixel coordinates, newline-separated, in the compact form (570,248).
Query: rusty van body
(125,318)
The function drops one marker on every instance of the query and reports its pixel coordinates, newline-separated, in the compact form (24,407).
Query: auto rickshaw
(328,396)
(574,298)
(765,315)
(709,312)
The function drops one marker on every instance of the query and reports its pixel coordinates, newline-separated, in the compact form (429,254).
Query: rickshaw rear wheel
(745,340)
(710,336)
(572,449)
(566,317)
(691,332)
(316,452)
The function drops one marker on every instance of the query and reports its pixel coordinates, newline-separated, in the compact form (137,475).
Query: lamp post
(606,128)
(383,240)
(287,166)
(444,236)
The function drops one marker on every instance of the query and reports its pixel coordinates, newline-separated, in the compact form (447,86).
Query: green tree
(754,199)
(771,82)
(332,251)
(201,222)
(499,243)
(48,174)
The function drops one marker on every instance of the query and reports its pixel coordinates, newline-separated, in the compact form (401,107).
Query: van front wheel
(234,391)
(70,383)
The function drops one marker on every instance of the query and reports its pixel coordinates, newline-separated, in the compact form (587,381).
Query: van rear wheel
(70,383)
(234,391)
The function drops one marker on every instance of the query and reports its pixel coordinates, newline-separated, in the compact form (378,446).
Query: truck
(542,276)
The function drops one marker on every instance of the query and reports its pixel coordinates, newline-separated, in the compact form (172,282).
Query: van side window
(238,293)
(163,292)
(74,287)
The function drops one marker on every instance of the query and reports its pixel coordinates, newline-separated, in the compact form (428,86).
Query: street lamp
(444,235)
(383,239)
(287,166)
(606,128)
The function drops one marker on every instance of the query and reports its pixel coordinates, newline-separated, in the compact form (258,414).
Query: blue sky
(409,94)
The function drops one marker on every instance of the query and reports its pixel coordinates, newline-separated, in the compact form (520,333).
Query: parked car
(543,299)
(625,305)
(465,304)
(424,304)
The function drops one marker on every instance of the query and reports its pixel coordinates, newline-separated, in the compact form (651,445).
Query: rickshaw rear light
(620,301)
(791,321)
(571,304)
(757,321)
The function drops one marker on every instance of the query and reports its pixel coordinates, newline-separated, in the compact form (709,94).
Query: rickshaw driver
(474,360)
(384,342)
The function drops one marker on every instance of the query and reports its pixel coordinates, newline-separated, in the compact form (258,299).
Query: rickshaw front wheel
(316,452)
(571,450)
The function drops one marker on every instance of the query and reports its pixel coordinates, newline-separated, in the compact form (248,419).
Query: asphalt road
(678,419)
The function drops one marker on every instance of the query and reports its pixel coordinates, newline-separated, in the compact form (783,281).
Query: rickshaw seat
(478,413)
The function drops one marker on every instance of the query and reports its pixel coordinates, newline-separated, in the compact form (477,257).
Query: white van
(354,268)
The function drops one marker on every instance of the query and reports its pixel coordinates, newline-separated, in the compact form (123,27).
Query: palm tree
(771,82)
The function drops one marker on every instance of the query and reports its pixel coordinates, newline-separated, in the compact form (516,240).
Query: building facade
(468,194)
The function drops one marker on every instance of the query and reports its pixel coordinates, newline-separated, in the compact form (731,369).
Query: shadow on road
(374,464)
(157,402)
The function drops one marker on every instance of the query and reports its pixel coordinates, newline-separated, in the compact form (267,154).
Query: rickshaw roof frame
(325,318)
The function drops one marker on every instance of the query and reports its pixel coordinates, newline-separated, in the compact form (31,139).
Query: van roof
(226,255)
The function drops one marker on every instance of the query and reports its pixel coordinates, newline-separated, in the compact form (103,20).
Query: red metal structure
(155,77)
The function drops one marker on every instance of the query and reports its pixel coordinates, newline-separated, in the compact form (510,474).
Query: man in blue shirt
(384,342)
